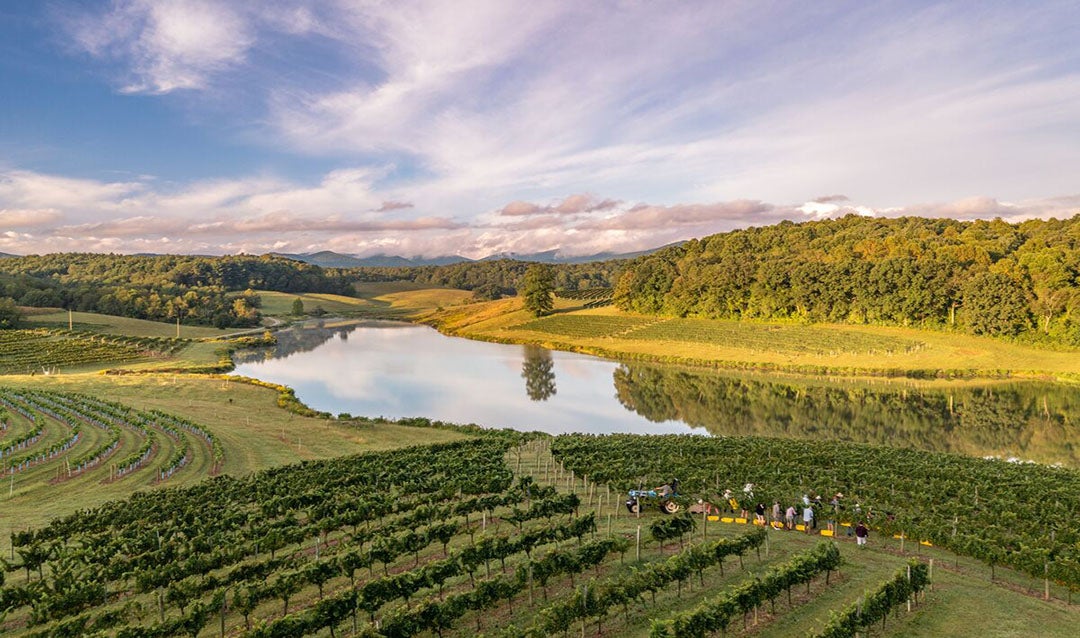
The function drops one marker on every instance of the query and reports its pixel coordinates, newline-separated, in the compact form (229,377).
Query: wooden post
(903,537)
(909,580)
(930,574)
(1046,581)
(638,554)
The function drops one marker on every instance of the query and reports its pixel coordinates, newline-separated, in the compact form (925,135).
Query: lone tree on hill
(298,306)
(537,288)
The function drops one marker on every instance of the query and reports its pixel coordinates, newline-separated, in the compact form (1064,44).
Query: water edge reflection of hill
(1029,420)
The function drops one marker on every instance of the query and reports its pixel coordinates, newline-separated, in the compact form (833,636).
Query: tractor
(664,496)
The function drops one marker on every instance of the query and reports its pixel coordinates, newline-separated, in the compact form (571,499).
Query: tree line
(195,289)
(496,278)
(985,277)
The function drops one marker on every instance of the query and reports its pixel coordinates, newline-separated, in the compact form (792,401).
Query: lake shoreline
(451,325)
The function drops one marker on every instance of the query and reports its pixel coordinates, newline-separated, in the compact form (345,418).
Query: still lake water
(400,370)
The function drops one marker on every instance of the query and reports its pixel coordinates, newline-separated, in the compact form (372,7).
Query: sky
(473,127)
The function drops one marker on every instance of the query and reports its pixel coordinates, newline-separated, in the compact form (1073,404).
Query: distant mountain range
(330,259)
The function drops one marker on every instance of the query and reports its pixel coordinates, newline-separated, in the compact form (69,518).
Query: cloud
(166,46)
(28,218)
(570,205)
(651,217)
(832,199)
(347,211)
(389,206)
(519,209)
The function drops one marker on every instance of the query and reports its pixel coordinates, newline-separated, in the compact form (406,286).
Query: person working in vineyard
(834,511)
(789,517)
(808,518)
(861,532)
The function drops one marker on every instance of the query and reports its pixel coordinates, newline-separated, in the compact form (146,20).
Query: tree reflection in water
(539,374)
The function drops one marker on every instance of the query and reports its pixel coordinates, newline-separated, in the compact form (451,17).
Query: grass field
(109,324)
(819,348)
(397,300)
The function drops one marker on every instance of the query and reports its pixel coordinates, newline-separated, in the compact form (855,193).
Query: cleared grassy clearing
(397,300)
(280,303)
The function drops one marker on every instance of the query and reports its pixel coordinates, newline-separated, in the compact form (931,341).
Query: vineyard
(488,536)
(1024,516)
(586,326)
(791,339)
(61,446)
(593,297)
(42,350)
(774,337)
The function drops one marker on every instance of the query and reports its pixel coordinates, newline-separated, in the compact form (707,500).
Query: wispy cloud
(166,45)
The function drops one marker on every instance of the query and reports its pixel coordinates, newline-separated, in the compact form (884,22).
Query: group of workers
(808,509)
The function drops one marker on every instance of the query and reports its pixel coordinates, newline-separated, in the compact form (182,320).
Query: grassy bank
(822,349)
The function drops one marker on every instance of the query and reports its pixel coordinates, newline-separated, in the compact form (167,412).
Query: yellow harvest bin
(845,524)
(727,519)
(927,543)
(713,517)
(897,535)
(800,527)
(826,532)
(777,525)
(740,521)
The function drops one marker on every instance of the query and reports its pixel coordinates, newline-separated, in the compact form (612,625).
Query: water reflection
(1029,420)
(539,374)
(401,370)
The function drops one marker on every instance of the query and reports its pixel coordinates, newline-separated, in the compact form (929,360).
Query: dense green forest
(986,277)
(492,279)
(195,289)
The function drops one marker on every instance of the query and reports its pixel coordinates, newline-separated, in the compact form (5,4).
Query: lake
(398,370)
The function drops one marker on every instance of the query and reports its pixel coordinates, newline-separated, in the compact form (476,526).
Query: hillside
(991,278)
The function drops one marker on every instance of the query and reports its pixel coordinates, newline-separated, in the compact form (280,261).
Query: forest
(984,277)
(195,289)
